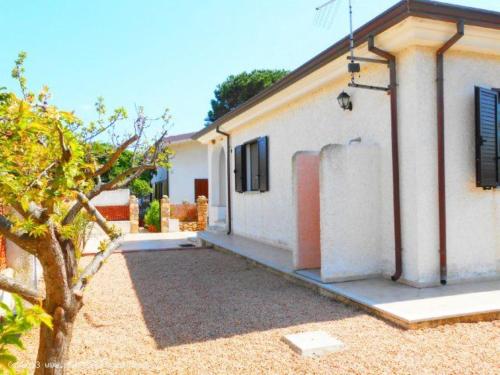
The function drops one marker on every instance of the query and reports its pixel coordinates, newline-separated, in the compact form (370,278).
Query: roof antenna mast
(353,66)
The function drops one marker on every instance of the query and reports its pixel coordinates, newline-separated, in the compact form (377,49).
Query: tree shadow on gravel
(190,296)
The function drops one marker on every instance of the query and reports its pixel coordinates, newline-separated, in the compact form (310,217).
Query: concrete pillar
(350,220)
(164,213)
(202,207)
(134,214)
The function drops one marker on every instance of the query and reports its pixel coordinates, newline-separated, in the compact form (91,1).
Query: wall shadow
(191,296)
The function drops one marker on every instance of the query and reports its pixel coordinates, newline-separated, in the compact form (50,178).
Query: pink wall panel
(308,206)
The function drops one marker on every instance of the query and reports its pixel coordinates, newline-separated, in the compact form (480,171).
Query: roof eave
(384,21)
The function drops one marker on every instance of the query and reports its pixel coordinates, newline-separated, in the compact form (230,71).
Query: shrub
(13,325)
(140,188)
(152,216)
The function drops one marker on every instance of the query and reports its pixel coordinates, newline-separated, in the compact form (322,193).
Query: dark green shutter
(164,190)
(263,163)
(239,169)
(487,142)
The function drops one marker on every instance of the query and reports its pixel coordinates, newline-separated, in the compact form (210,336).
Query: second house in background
(188,177)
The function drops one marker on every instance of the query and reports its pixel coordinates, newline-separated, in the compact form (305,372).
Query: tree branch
(136,171)
(34,211)
(24,241)
(66,152)
(13,286)
(102,130)
(109,164)
(72,212)
(95,265)
(135,175)
(100,220)
(123,179)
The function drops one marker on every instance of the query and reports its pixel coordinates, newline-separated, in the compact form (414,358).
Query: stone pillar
(164,213)
(134,214)
(202,207)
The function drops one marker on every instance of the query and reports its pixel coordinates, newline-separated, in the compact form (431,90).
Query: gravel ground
(203,312)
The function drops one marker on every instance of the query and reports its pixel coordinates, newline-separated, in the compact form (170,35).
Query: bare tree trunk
(60,303)
(53,347)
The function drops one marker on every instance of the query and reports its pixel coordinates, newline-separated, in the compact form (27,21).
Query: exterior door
(306,170)
(200,187)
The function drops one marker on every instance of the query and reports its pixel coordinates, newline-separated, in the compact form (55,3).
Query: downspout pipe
(228,177)
(443,269)
(393,92)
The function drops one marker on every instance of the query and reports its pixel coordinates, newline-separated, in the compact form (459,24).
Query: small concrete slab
(313,343)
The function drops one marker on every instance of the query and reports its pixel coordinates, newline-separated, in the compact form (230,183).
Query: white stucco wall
(309,124)
(350,212)
(26,267)
(119,197)
(189,162)
(314,120)
(472,213)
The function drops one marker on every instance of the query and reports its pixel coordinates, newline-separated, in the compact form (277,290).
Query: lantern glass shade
(344,101)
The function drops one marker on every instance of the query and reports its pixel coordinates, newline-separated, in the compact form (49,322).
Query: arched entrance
(218,201)
(222,179)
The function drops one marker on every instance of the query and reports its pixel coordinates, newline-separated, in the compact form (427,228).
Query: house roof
(179,138)
(405,8)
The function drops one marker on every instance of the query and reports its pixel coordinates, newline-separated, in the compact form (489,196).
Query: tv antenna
(353,66)
(325,14)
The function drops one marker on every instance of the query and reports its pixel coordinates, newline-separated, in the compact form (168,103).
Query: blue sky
(165,53)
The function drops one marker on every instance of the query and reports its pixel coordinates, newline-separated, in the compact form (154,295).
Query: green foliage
(46,155)
(50,168)
(13,325)
(237,89)
(152,216)
(78,232)
(102,152)
(42,161)
(140,188)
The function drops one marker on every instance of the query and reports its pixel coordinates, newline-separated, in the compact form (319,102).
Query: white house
(18,264)
(188,177)
(403,183)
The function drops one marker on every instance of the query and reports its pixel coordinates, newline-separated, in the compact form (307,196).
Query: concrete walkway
(404,305)
(158,241)
(146,241)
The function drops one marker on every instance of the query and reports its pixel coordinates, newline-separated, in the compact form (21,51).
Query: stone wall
(134,215)
(164,214)
(202,206)
(188,226)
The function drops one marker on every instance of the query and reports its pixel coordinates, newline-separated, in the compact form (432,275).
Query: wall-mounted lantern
(344,101)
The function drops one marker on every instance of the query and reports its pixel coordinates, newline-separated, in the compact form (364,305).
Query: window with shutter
(239,169)
(164,189)
(252,166)
(487,138)
(263,164)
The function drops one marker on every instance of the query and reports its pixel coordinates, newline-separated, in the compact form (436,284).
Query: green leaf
(7,359)
(13,339)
